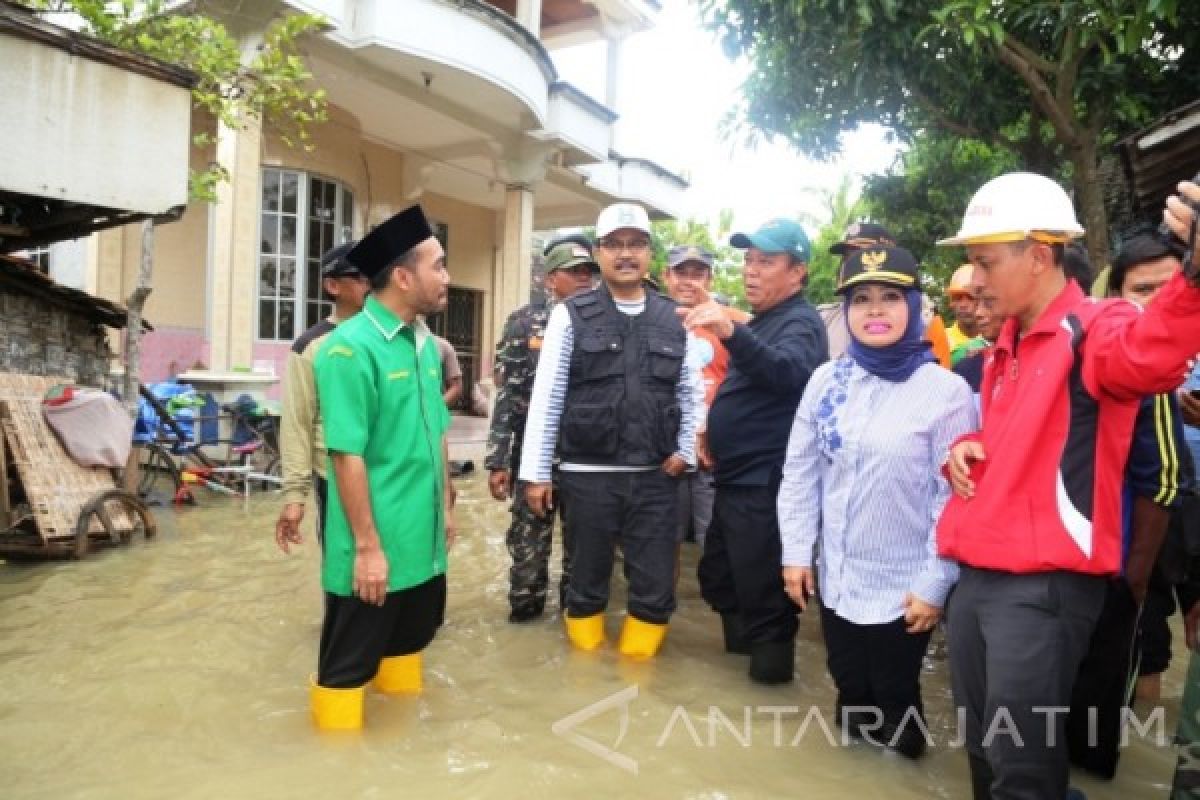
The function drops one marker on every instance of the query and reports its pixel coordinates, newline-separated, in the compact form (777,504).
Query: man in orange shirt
(688,279)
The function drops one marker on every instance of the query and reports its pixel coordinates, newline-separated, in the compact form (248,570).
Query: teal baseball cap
(776,236)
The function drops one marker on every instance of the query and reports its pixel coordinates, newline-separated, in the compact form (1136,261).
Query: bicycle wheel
(159,473)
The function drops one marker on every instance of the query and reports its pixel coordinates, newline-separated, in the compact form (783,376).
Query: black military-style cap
(335,264)
(383,246)
(862,234)
(893,266)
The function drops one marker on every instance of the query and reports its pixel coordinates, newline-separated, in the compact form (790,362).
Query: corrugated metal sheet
(1159,156)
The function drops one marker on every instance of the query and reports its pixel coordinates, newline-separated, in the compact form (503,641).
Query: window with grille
(302,217)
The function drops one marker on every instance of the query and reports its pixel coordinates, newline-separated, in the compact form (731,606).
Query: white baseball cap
(622,215)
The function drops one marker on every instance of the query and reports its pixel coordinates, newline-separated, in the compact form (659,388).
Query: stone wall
(37,338)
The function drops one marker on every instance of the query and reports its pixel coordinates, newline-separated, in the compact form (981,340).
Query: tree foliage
(271,84)
(841,209)
(1052,83)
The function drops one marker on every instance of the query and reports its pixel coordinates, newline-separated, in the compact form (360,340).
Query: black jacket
(770,361)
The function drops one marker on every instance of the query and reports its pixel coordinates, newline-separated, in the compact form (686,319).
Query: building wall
(470,258)
(39,339)
(179,305)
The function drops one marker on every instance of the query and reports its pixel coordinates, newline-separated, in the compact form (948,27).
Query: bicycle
(250,458)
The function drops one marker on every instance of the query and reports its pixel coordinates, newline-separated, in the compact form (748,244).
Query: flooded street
(178,668)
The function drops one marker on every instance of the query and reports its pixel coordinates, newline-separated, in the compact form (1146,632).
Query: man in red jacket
(1036,517)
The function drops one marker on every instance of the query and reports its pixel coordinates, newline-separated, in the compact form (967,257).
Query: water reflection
(178,668)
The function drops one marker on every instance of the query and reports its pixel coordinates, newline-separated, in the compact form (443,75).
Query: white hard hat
(1018,206)
(622,215)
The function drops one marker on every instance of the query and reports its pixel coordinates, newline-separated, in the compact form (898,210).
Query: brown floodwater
(178,668)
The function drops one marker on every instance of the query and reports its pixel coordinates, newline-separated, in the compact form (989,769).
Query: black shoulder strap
(309,336)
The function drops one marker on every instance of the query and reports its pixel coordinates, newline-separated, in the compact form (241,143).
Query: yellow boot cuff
(399,674)
(336,709)
(641,639)
(585,633)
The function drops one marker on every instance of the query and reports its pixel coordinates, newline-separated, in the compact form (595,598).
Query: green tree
(1051,82)
(841,209)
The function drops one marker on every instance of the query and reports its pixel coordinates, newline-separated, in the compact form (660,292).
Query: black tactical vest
(621,408)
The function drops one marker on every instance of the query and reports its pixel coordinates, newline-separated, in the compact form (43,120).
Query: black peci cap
(385,245)
(862,234)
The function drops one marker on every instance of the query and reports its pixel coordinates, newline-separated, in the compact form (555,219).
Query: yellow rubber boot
(586,633)
(399,674)
(336,709)
(641,639)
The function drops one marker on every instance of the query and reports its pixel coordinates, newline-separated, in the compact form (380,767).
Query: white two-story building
(453,103)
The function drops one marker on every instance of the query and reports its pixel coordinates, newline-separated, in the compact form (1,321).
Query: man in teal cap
(771,359)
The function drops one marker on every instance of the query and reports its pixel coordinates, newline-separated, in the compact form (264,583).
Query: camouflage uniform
(529,535)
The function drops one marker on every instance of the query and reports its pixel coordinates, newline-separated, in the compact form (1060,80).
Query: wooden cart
(49,505)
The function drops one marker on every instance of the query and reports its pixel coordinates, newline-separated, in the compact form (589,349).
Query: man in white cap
(1036,518)
(616,397)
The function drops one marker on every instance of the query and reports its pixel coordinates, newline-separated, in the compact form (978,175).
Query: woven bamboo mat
(55,485)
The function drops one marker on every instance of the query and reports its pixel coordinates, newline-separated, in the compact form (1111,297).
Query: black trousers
(320,487)
(635,509)
(356,636)
(875,666)
(740,571)
(1174,585)
(1104,684)
(1016,643)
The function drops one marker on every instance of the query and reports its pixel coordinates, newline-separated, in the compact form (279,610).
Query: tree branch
(1064,124)
(951,125)
(1068,70)
(943,119)
(1035,59)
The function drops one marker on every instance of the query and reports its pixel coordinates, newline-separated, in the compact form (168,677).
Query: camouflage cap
(567,255)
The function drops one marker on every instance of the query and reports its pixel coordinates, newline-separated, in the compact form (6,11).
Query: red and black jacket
(1058,415)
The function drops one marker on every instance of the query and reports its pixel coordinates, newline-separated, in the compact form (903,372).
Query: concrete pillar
(529,14)
(612,86)
(516,255)
(233,249)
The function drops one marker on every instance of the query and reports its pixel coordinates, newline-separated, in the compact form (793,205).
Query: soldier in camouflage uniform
(569,268)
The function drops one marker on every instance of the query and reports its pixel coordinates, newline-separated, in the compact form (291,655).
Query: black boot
(850,721)
(773,662)
(908,741)
(735,633)
(525,613)
(981,778)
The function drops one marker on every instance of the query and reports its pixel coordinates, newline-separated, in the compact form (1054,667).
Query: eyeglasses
(632,246)
(577,270)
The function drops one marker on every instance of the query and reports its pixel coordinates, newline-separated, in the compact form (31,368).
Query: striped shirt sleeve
(690,396)
(547,399)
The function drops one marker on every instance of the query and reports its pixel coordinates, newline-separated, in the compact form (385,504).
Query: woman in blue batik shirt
(861,494)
